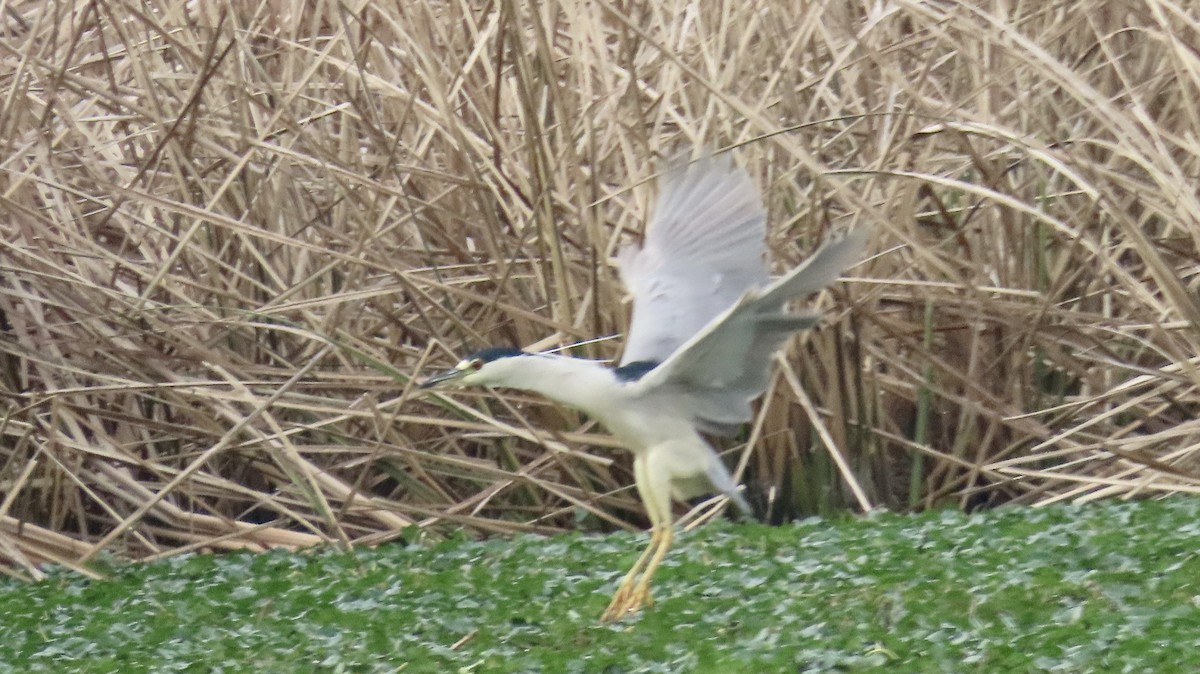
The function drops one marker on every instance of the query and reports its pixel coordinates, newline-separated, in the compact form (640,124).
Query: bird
(706,322)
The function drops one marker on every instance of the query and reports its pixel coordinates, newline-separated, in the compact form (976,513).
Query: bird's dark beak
(452,373)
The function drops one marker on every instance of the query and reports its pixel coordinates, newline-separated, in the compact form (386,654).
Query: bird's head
(489,367)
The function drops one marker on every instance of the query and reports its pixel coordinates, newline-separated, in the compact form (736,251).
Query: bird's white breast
(645,422)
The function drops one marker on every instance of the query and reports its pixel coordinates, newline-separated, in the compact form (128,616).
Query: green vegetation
(1105,587)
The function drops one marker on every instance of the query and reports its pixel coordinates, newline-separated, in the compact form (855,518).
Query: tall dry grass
(232,233)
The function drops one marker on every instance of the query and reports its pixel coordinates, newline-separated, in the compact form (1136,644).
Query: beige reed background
(230,233)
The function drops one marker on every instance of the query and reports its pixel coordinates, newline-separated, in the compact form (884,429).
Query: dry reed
(233,231)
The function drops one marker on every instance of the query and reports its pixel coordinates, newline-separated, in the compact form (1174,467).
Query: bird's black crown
(495,353)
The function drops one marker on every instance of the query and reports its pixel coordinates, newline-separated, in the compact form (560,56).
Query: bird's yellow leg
(616,608)
(641,593)
(653,485)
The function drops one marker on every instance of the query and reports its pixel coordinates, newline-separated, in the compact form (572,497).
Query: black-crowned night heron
(707,321)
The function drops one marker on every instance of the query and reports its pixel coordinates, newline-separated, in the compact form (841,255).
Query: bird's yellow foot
(628,599)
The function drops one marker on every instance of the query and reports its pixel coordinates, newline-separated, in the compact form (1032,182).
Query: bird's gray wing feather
(703,249)
(723,368)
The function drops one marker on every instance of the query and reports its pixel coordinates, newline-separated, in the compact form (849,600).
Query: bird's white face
(490,367)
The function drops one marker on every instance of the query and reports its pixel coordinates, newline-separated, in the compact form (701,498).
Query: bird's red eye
(476,364)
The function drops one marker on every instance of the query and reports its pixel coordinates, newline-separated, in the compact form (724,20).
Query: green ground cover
(1098,588)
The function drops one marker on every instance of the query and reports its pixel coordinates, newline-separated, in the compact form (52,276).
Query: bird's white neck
(595,389)
(586,385)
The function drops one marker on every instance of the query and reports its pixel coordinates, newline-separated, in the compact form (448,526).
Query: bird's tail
(722,481)
(740,502)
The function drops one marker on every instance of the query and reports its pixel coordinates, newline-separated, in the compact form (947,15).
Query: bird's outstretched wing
(703,249)
(727,364)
